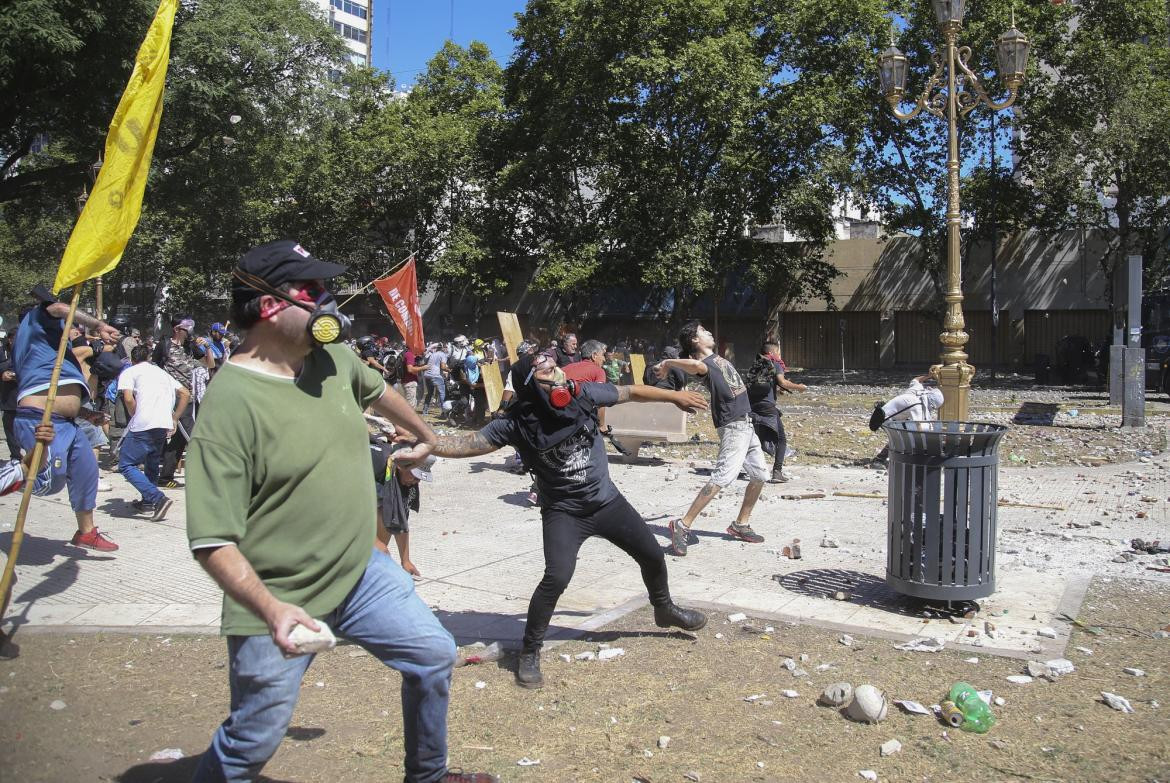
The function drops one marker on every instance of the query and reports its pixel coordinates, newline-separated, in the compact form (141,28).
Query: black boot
(528,670)
(671,614)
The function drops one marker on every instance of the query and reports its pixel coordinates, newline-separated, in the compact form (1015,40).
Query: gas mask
(561,390)
(327,324)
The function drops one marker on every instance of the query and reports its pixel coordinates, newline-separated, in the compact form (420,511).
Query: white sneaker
(105,486)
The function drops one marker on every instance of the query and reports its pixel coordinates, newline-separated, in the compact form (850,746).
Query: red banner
(400,293)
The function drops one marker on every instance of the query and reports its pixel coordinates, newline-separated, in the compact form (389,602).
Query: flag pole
(35,467)
(387,273)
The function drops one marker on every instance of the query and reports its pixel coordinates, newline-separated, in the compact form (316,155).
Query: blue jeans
(71,462)
(385,616)
(435,386)
(143,448)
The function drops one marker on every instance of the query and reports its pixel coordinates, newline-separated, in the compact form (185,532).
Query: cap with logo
(280,262)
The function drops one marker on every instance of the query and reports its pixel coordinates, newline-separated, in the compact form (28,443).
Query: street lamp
(953,91)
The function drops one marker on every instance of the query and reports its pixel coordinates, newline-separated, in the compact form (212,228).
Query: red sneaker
(94,539)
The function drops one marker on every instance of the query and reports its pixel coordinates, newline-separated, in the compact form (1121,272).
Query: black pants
(176,446)
(10,433)
(773,441)
(618,523)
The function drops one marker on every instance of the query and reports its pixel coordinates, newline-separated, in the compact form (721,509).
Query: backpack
(760,378)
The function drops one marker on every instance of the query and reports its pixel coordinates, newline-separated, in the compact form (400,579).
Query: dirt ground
(127,697)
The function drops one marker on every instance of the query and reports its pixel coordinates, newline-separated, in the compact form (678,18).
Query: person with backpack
(764,380)
(920,402)
(552,422)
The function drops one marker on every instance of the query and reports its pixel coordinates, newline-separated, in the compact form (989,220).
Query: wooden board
(637,367)
(510,328)
(493,385)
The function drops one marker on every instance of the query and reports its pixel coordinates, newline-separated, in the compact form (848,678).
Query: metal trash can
(943,490)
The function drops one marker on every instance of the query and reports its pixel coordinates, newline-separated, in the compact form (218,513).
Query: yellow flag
(111,213)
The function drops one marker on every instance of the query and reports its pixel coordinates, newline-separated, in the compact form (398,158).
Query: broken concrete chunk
(867,774)
(891,747)
(1019,679)
(1060,666)
(846,640)
(585,656)
(1119,703)
(1134,672)
(836,695)
(663,742)
(610,654)
(922,644)
(1037,669)
(1047,633)
(738,617)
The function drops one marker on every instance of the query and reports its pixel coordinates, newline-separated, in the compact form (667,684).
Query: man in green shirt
(281,513)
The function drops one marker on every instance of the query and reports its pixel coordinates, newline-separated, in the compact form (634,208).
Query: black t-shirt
(763,398)
(397,499)
(566,358)
(729,400)
(675,380)
(574,475)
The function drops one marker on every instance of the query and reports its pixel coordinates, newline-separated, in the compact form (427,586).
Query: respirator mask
(327,324)
(561,390)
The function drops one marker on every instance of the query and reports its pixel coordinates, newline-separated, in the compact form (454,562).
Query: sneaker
(143,506)
(161,510)
(94,539)
(744,533)
(105,486)
(778,477)
(680,536)
(671,614)
(528,671)
(470,777)
(169,484)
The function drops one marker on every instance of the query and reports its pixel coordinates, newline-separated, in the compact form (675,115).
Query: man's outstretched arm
(686,400)
(458,446)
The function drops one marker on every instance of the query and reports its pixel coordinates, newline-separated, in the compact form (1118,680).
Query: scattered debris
(663,742)
(912,707)
(1000,701)
(868,706)
(1037,669)
(738,617)
(1019,679)
(57,704)
(754,697)
(836,695)
(167,754)
(1060,666)
(1047,633)
(841,595)
(829,543)
(803,496)
(891,747)
(585,656)
(970,660)
(1134,672)
(923,644)
(527,762)
(1119,703)
(868,774)
(789,694)
(565,657)
(694,777)
(610,653)
(480,685)
(846,640)
(1084,650)
(479,653)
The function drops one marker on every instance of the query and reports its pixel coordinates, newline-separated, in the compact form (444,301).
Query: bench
(646,421)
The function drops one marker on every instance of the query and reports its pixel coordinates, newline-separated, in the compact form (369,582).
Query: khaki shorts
(739,449)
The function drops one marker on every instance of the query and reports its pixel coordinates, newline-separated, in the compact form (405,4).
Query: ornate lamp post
(953,92)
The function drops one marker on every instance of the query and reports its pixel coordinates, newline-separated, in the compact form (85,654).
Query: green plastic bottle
(977,716)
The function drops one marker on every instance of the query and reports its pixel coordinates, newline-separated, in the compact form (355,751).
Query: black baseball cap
(283,261)
(42,294)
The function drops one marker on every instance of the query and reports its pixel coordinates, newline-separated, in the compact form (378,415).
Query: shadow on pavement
(865,590)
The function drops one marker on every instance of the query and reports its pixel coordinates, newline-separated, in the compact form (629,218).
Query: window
(352,33)
(350,8)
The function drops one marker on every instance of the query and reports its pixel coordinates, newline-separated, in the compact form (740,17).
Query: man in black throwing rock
(552,423)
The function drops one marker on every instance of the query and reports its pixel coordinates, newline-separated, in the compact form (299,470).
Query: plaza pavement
(478,545)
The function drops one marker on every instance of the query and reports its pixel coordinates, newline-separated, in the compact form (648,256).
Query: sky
(408,33)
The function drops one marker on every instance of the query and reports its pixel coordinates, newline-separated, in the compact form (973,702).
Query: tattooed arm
(458,446)
(687,401)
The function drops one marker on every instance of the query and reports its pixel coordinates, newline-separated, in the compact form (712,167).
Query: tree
(647,138)
(1094,144)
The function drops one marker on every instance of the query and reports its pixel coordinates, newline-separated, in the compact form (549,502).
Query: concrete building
(353,21)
